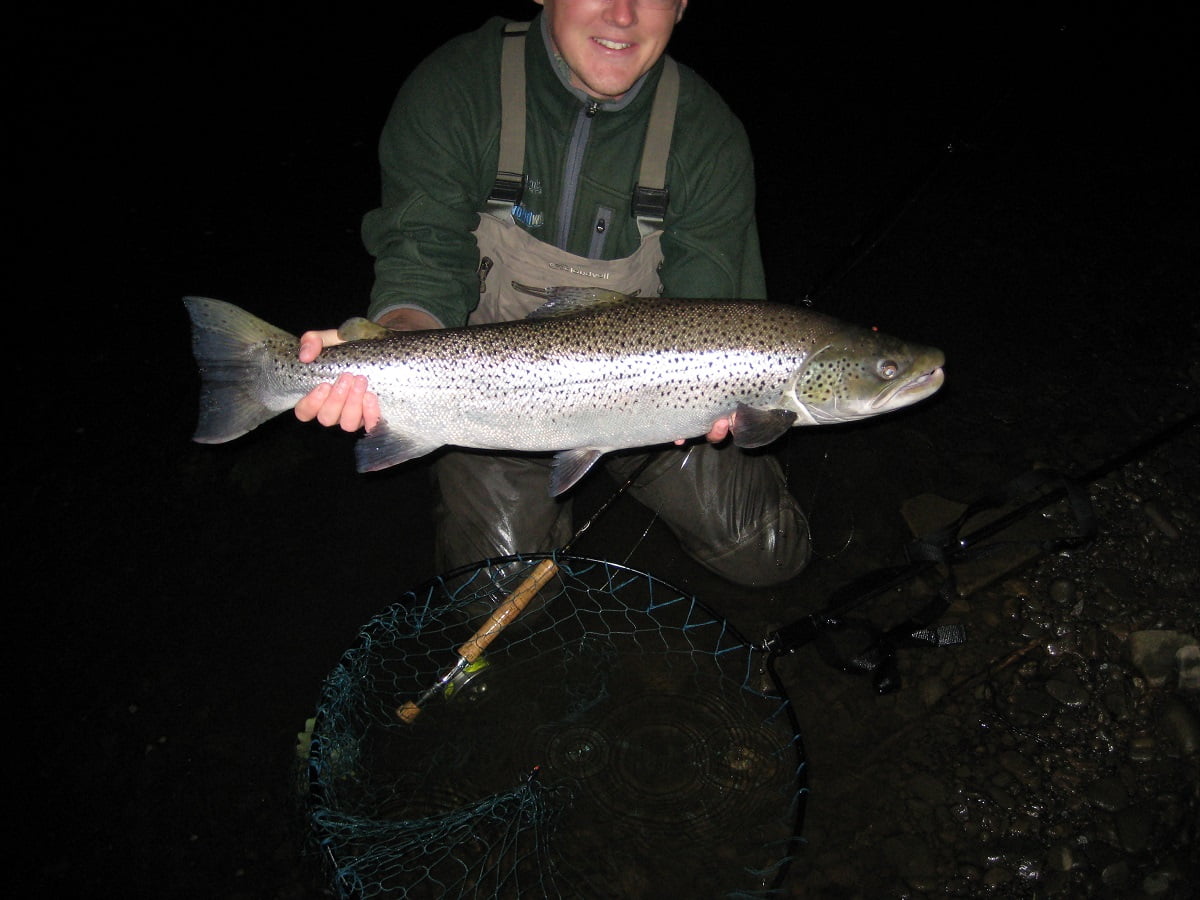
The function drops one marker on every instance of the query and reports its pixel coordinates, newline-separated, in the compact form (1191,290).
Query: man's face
(610,44)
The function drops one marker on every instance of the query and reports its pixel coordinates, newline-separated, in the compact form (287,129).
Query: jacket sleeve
(710,244)
(435,167)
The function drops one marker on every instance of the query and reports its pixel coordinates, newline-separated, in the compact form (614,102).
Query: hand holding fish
(716,434)
(347,402)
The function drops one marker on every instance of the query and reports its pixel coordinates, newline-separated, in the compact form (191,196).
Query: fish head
(856,373)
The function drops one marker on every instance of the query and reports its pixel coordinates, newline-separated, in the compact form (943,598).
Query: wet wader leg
(490,505)
(730,510)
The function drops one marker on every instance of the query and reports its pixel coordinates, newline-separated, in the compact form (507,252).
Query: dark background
(1015,187)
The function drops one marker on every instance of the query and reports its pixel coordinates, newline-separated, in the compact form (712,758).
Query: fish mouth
(911,391)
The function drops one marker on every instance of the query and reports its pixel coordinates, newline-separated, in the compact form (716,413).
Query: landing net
(618,740)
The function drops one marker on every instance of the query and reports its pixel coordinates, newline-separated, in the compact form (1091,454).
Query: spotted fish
(589,372)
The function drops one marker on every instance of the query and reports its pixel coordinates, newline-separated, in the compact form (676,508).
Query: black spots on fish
(825,379)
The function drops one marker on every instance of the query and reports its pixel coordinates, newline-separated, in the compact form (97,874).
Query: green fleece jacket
(439,152)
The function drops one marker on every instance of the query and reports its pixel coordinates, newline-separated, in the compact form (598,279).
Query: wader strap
(510,180)
(650,194)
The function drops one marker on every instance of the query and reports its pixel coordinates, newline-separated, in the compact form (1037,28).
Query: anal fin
(381,448)
(570,466)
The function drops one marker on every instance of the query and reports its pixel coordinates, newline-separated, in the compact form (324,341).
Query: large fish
(587,373)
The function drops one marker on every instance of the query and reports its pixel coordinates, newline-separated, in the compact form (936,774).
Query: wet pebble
(1181,726)
(928,789)
(1033,704)
(909,854)
(996,876)
(1143,747)
(1063,591)
(1187,662)
(1021,767)
(1107,793)
(1166,879)
(1066,688)
(932,690)
(1161,520)
(1153,653)
(1062,858)
(1134,826)
(1115,874)
(1118,583)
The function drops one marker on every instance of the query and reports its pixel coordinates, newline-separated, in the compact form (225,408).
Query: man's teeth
(611,45)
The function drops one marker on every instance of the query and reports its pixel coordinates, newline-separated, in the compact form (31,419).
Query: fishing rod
(470,653)
(946,547)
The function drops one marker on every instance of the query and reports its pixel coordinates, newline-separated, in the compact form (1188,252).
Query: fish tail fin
(229,344)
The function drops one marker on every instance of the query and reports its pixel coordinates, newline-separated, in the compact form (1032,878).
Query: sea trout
(587,373)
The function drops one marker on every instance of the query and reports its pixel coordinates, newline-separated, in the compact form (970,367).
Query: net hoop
(618,738)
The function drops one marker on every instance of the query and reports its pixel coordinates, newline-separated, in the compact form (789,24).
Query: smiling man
(569,151)
(608,46)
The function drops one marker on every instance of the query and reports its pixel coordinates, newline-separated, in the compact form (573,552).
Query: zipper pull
(485,266)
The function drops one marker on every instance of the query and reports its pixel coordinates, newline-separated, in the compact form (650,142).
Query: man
(449,242)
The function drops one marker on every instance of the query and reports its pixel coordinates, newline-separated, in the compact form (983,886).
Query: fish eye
(887,369)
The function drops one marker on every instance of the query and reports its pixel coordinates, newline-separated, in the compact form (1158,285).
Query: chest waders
(730,511)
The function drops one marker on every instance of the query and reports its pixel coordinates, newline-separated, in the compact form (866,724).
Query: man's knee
(731,511)
(772,554)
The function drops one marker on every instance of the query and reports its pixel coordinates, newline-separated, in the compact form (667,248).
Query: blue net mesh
(617,739)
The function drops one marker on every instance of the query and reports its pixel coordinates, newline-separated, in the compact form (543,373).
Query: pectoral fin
(570,466)
(381,447)
(753,427)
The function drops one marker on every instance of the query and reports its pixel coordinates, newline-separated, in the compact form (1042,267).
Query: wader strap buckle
(650,194)
(510,179)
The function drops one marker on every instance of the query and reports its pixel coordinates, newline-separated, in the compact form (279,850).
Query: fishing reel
(467,684)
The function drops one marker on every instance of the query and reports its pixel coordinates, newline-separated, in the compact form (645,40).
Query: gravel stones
(1055,754)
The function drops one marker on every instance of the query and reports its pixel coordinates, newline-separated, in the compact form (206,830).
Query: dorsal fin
(359,329)
(565,301)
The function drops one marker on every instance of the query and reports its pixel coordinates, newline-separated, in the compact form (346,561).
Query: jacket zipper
(572,167)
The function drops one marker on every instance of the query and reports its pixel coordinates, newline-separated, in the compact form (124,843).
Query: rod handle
(507,610)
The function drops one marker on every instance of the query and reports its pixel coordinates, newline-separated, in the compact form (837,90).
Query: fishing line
(813,506)
(640,540)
